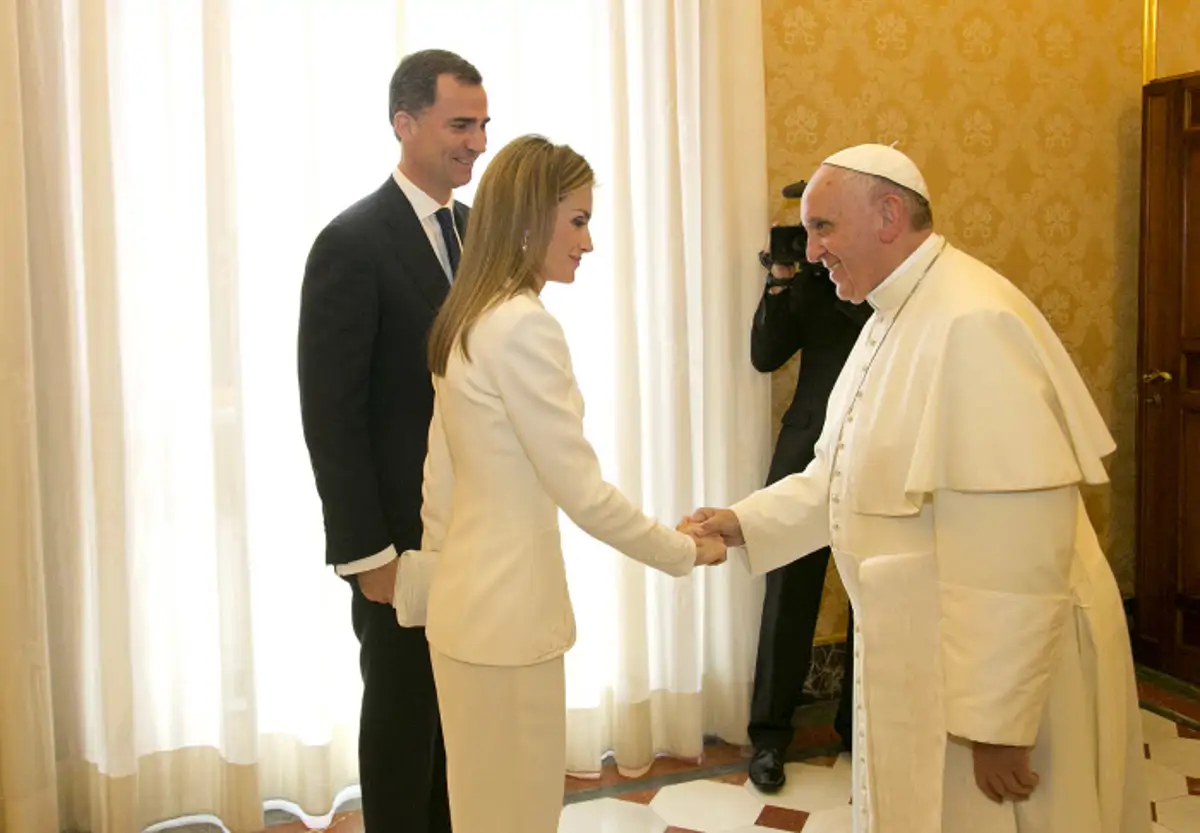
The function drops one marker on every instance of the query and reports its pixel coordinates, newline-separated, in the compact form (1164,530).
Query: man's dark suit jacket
(805,316)
(372,287)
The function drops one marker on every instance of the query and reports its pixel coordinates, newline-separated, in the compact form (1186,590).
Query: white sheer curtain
(171,163)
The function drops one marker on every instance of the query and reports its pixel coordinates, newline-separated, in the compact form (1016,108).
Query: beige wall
(1025,119)
(1178,37)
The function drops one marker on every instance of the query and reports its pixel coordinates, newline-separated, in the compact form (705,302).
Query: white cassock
(946,482)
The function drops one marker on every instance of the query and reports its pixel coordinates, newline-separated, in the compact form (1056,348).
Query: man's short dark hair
(414,83)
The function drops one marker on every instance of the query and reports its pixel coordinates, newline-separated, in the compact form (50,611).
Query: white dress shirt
(426,208)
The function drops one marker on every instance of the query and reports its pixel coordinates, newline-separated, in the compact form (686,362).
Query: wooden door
(1169,369)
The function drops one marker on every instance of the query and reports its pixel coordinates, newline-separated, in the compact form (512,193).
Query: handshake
(713,530)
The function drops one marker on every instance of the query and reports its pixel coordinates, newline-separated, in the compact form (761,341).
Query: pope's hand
(1002,773)
(722,522)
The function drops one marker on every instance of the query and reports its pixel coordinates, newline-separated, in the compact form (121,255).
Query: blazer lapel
(461,213)
(411,246)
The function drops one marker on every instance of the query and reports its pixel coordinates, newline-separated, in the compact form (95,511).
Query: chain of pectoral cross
(862,377)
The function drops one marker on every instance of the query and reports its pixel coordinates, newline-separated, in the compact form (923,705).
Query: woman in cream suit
(506,452)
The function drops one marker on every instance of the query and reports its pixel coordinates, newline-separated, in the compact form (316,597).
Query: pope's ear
(892,217)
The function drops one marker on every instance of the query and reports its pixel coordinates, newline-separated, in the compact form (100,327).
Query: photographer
(799,311)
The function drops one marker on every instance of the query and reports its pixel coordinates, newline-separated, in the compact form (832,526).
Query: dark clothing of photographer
(798,314)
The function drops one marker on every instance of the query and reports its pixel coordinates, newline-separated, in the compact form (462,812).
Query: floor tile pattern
(713,796)
(816,798)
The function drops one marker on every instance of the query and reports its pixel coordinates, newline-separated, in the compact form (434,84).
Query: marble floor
(713,795)
(816,798)
(817,795)
(1172,773)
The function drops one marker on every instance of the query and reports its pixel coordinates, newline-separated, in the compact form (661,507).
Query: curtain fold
(173,643)
(28,784)
(689,154)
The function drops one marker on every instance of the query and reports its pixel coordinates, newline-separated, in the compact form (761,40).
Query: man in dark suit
(374,281)
(797,312)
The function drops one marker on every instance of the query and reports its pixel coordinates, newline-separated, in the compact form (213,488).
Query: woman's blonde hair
(509,230)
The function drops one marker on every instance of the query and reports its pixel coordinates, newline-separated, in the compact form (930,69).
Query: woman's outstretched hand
(710,549)
(723,522)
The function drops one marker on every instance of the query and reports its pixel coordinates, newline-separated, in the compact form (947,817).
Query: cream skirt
(505,729)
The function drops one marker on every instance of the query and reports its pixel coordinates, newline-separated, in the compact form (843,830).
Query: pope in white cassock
(994,683)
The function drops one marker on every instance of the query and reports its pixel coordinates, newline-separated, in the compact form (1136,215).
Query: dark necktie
(446,221)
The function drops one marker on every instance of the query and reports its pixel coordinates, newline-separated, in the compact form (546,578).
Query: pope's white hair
(920,213)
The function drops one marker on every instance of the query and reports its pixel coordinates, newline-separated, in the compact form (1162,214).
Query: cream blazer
(506,452)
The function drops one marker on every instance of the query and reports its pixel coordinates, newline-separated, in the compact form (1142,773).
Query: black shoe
(766,770)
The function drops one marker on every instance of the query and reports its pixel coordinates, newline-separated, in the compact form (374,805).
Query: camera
(788,242)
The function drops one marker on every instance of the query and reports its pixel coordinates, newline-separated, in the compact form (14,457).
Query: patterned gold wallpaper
(1178,37)
(1025,118)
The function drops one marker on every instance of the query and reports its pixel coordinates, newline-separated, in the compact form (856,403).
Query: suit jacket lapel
(461,213)
(411,245)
